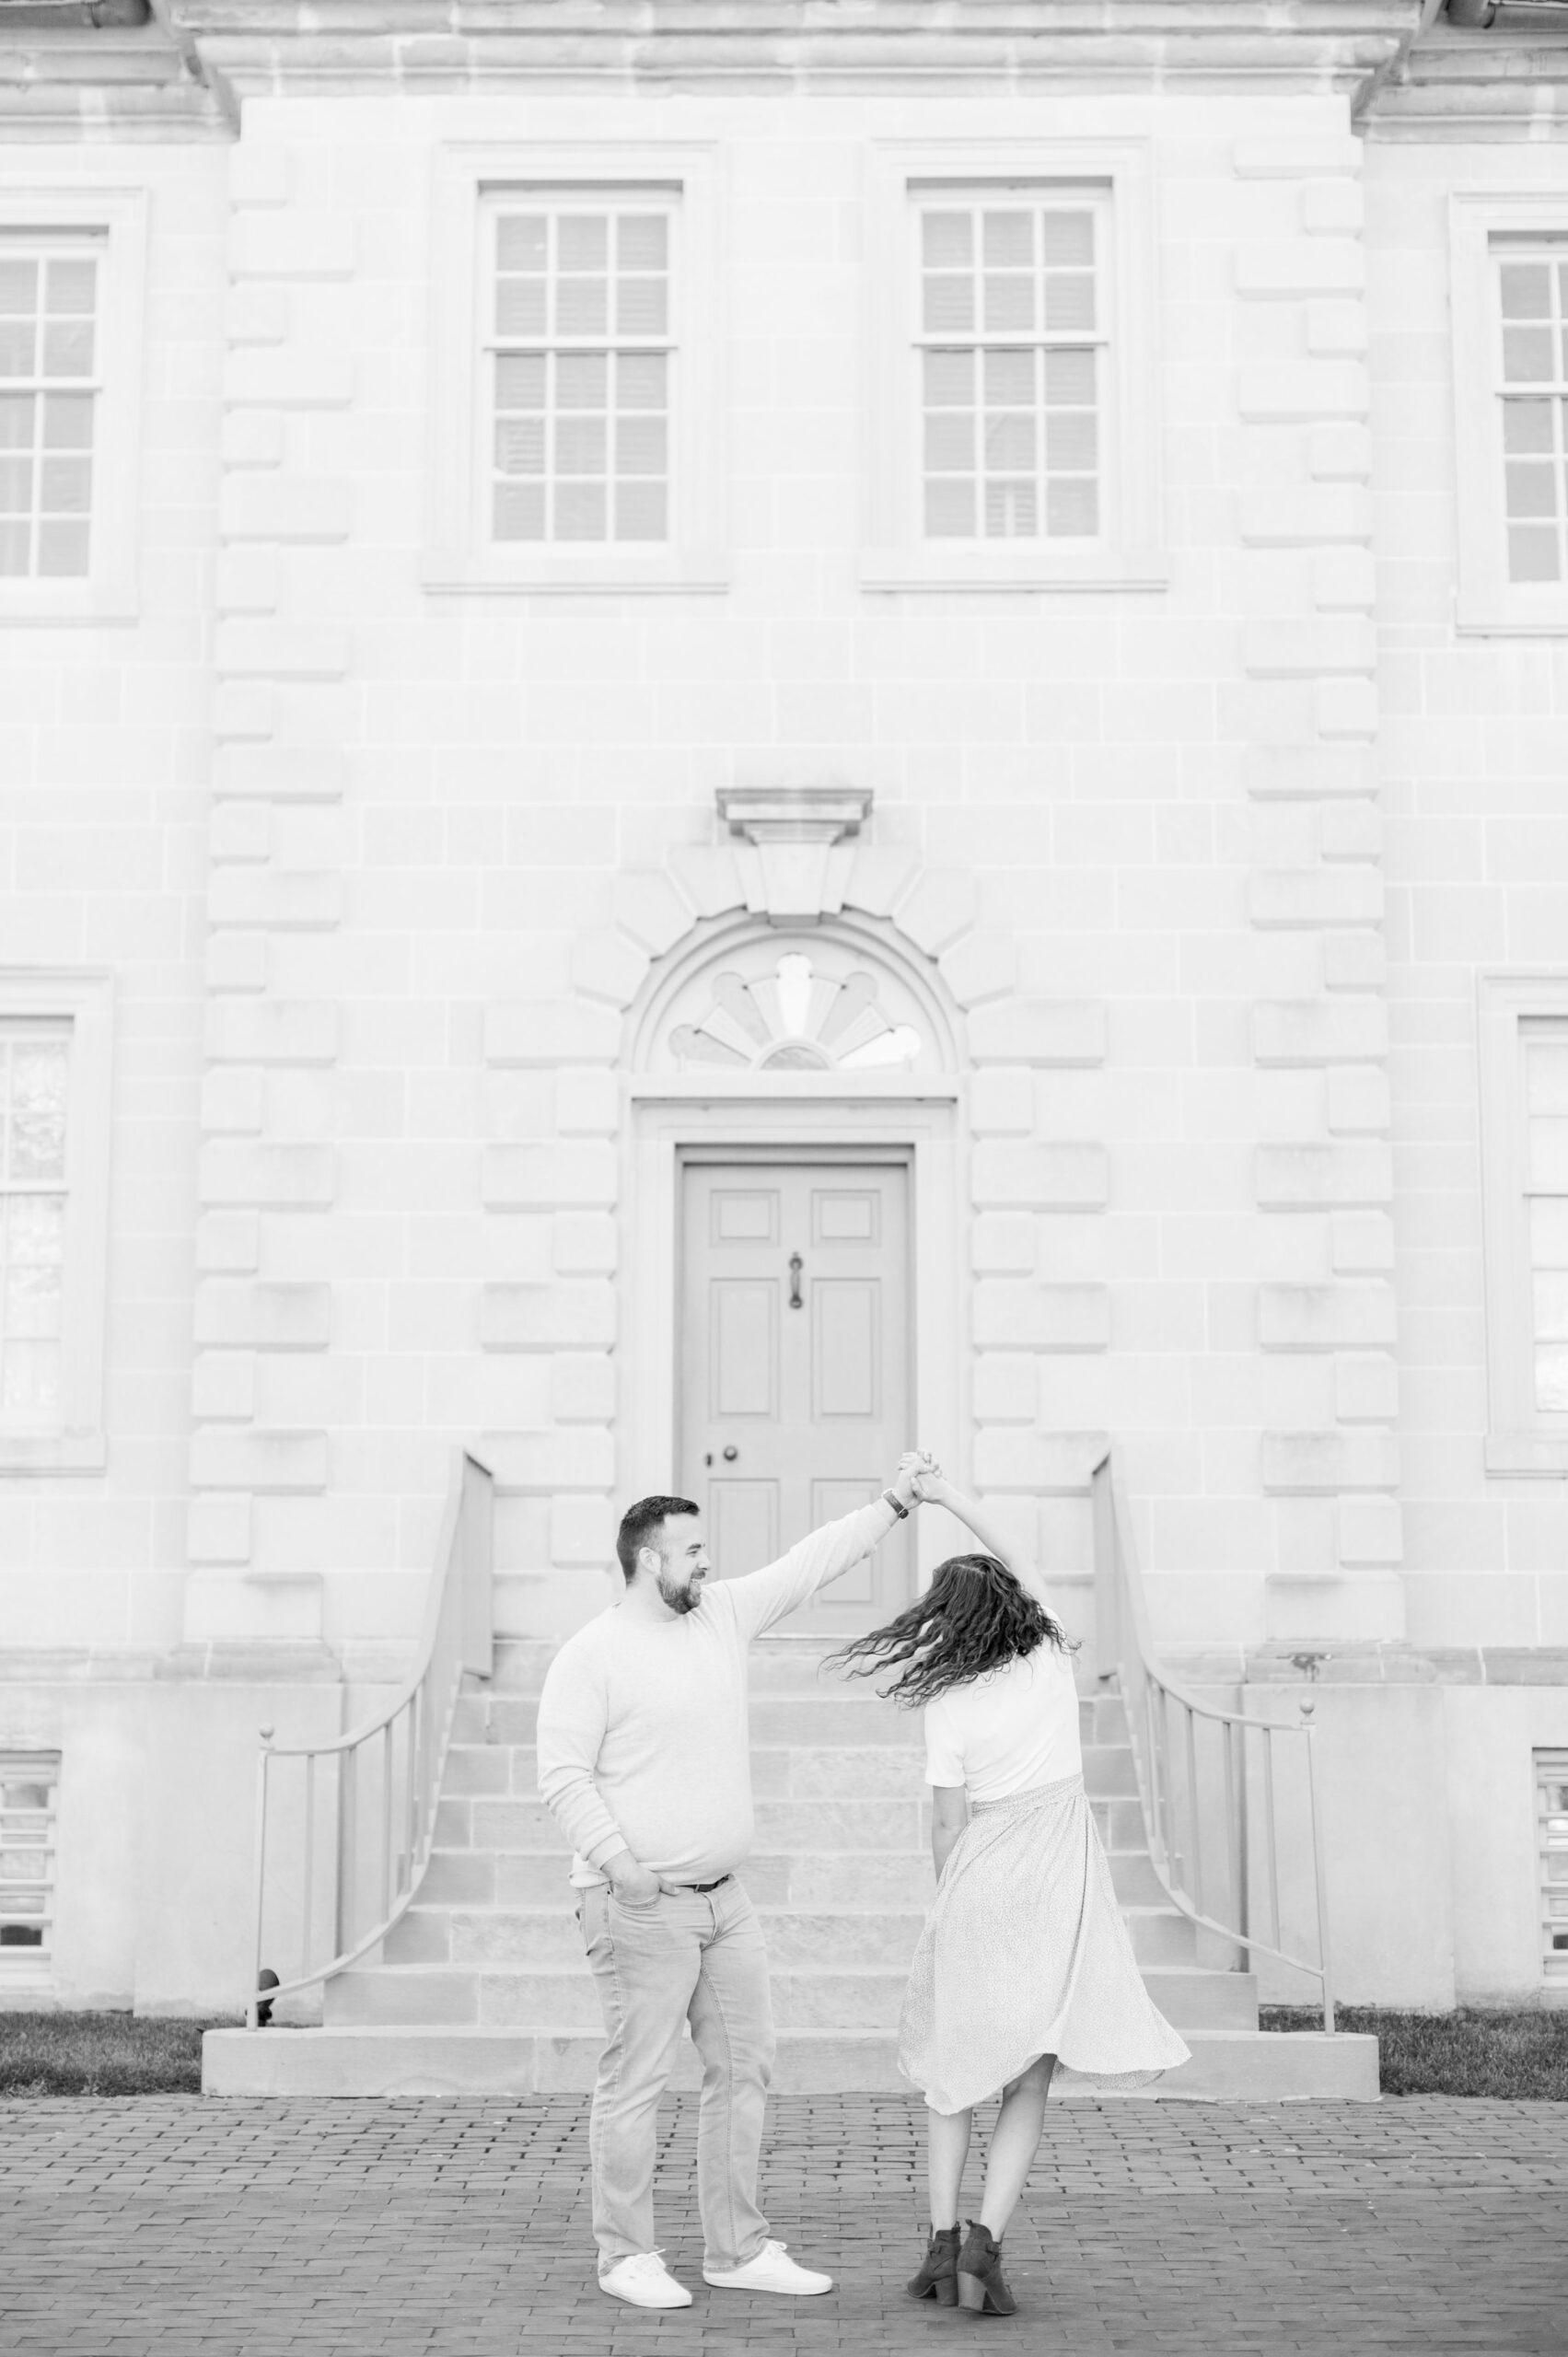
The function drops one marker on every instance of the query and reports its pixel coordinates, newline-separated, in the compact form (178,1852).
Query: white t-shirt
(1007,1731)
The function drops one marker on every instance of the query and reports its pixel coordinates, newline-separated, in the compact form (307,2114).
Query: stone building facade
(591,595)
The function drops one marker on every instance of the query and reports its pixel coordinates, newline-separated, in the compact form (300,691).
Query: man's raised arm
(762,1598)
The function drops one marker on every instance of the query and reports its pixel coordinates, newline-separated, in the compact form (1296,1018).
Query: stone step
(1227,2066)
(1162,1935)
(1194,1997)
(831,1717)
(777,1666)
(498,1997)
(543,1939)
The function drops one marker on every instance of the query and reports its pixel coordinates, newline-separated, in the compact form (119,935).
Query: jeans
(696,1958)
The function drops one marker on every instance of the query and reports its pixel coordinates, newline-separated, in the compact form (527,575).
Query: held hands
(920,1478)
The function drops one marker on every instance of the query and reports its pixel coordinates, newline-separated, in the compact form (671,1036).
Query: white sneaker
(645,2280)
(773,2270)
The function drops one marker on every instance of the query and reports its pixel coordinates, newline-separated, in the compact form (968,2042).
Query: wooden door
(796,1379)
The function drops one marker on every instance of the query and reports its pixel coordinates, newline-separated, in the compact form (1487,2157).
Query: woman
(1024,1966)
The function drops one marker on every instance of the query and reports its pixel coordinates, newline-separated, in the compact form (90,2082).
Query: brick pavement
(193,2228)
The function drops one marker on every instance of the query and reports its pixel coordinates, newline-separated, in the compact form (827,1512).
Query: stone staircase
(482,1986)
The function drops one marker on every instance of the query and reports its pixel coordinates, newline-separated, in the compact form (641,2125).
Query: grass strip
(100,2054)
(1506,2055)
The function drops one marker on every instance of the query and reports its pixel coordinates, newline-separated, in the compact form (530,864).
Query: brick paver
(252,2229)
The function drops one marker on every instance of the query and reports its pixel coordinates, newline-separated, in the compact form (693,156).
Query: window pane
(581,379)
(950,306)
(1549,1291)
(1548,1232)
(580,446)
(1010,444)
(1531,489)
(522,241)
(1548,1154)
(1011,511)
(640,447)
(16,420)
(1551,1379)
(1532,553)
(640,380)
(519,306)
(949,442)
(15,486)
(519,381)
(1070,379)
(949,510)
(1010,378)
(67,420)
(517,511)
(949,379)
(1525,289)
(29,1376)
(65,486)
(584,241)
(1526,428)
(68,348)
(1009,241)
(1528,355)
(947,240)
(16,548)
(519,446)
(19,347)
(1068,239)
(18,288)
(37,1110)
(72,288)
(1546,1075)
(642,241)
(62,551)
(581,306)
(1072,507)
(1069,302)
(580,511)
(641,306)
(641,512)
(1072,441)
(1009,305)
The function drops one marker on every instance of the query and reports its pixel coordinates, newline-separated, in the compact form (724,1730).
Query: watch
(902,1512)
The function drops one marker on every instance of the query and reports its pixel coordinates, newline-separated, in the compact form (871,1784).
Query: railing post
(1320,1867)
(252,1998)
(1108,1633)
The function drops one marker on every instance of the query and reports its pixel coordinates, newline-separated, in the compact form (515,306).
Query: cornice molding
(1457,85)
(782,46)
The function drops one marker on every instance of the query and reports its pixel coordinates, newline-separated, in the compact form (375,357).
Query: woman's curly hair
(975,1615)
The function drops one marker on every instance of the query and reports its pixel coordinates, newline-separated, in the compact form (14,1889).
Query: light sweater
(643,1741)
(1008,1731)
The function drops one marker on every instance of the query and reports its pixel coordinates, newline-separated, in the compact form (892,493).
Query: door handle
(796,1265)
(730,1453)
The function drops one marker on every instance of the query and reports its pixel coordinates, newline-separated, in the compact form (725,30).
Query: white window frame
(34,1968)
(1486,601)
(1551,1768)
(457,557)
(1127,554)
(1521,1438)
(107,592)
(84,999)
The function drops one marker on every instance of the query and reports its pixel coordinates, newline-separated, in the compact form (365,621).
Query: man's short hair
(639,1527)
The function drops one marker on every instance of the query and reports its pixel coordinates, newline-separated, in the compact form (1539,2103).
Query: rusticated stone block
(280,773)
(1354,961)
(587,1104)
(1367,1388)
(281,900)
(708,876)
(252,437)
(223,1386)
(267,1177)
(234,1100)
(1002,1102)
(1003,1243)
(581,1457)
(291,244)
(1006,1387)
(1309,772)
(1311,1463)
(235,961)
(271,1032)
(1038,1031)
(228,1243)
(255,1461)
(255,507)
(1048,1177)
(1319,1032)
(1316,896)
(1283,647)
(270,376)
(532,1032)
(1048,1464)
(1371,1531)
(979,967)
(582,1387)
(649,907)
(1309,1178)
(940,907)
(1297,160)
(1351,830)
(1018,1314)
(236,1315)
(1358,1101)
(1361,1244)
(609,966)
(1345,709)
(1302,391)
(574,1315)
(1326,1318)
(1305,514)
(1296,267)
(217,1530)
(532,1177)
(582,1531)
(281,650)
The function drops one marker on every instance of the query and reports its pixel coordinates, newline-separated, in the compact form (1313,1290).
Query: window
(1012,428)
(1508,263)
(70,325)
(1010,351)
(49,391)
(1523,1094)
(578,362)
(1551,1833)
(576,397)
(28,1784)
(54,1114)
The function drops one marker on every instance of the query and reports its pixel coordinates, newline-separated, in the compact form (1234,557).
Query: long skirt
(1024,1953)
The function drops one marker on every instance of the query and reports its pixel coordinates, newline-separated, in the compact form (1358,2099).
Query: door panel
(795,1382)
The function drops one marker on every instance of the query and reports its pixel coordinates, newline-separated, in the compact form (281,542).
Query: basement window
(30,1781)
(1551,1837)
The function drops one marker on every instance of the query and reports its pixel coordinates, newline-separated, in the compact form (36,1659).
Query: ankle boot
(938,2278)
(982,2285)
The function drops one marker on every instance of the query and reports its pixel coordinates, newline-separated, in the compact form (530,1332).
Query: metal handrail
(1163,1720)
(399,1752)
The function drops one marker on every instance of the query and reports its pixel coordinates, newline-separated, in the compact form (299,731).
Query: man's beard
(680,1595)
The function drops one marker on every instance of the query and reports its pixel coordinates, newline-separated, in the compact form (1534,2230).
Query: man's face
(683,1566)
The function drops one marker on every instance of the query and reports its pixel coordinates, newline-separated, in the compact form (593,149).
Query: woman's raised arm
(936,1489)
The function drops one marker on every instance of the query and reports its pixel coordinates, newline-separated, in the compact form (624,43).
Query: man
(644,1760)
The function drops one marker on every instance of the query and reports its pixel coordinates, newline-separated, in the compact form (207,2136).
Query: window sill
(52,1452)
(931,569)
(594,572)
(1512,616)
(1540,1455)
(50,602)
